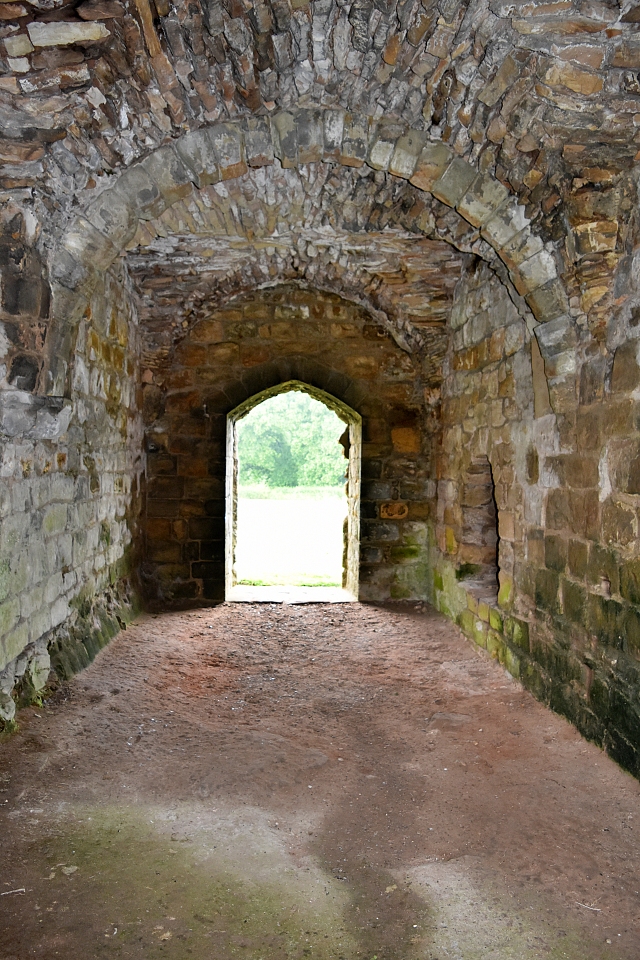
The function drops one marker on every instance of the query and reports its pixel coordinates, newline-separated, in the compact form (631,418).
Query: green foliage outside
(291,440)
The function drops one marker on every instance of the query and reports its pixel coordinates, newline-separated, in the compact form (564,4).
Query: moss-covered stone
(606,619)
(630,581)
(547,586)
(578,558)
(555,553)
(574,599)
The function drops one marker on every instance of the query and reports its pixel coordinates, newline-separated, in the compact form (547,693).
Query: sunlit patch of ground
(296,541)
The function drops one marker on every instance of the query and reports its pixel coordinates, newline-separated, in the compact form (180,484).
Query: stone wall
(256,342)
(566,620)
(69,472)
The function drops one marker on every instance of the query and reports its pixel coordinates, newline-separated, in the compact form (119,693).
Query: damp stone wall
(69,496)
(562,439)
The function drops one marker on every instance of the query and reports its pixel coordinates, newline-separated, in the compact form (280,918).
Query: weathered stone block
(141,193)
(482,200)
(197,151)
(548,301)
(333,123)
(454,182)
(61,33)
(285,139)
(547,591)
(171,176)
(625,376)
(112,215)
(406,154)
(383,144)
(432,163)
(355,141)
(535,272)
(509,220)
(310,131)
(228,142)
(258,143)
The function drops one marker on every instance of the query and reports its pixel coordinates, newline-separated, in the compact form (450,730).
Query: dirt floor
(269,781)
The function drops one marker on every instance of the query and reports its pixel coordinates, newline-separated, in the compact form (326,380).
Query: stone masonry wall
(258,341)
(565,464)
(68,499)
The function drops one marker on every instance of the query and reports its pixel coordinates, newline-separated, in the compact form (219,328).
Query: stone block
(310,132)
(87,246)
(355,141)
(113,216)
(432,163)
(54,519)
(506,75)
(521,247)
(482,200)
(574,598)
(62,33)
(333,131)
(556,337)
(535,272)
(548,301)
(625,376)
(509,220)
(197,152)
(598,236)
(285,139)
(547,591)
(605,618)
(630,581)
(578,557)
(258,143)
(228,143)
(406,154)
(454,182)
(171,176)
(141,193)
(383,144)
(619,523)
(575,471)
(555,553)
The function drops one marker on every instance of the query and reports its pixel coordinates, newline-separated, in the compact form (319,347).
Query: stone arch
(224,151)
(353,451)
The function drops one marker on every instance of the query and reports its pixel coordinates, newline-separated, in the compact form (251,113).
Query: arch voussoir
(225,151)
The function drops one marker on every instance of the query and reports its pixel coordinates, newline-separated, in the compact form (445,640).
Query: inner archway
(281,542)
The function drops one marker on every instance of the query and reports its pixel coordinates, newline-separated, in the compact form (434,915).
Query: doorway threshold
(247,594)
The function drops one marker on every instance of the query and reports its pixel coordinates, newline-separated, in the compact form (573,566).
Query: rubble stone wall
(69,489)
(258,341)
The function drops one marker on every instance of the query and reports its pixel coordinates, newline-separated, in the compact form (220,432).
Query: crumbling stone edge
(96,618)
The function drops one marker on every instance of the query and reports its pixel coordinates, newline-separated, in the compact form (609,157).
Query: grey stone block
(141,192)
(165,168)
(481,201)
(406,154)
(198,153)
(228,143)
(355,141)
(383,144)
(87,245)
(432,163)
(285,139)
(454,182)
(111,213)
(258,143)
(310,130)
(333,131)
(556,337)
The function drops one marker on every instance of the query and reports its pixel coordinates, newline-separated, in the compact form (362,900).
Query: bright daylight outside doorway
(293,465)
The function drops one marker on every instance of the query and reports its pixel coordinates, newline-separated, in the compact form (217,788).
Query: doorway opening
(293,497)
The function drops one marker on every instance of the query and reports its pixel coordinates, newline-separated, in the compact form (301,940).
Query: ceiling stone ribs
(533,92)
(227,151)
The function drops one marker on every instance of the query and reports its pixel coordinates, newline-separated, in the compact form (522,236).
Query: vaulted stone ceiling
(545,96)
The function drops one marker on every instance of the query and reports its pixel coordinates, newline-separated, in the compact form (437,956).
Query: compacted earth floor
(271,781)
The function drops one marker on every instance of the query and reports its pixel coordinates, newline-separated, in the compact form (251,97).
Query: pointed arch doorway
(236,551)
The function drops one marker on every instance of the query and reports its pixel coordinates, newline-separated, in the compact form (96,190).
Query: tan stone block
(393,510)
(508,72)
(254,353)
(207,331)
(485,196)
(405,439)
(568,75)
(432,163)
(223,353)
(406,154)
(596,237)
(364,368)
(190,354)
(584,53)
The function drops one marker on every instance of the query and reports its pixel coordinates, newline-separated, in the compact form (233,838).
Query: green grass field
(295,540)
